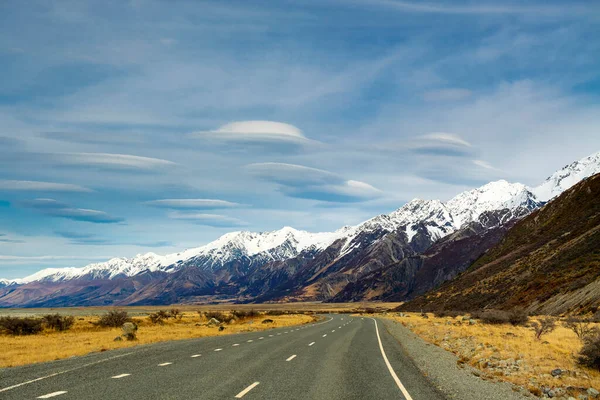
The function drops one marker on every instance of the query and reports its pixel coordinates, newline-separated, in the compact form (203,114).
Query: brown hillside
(548,263)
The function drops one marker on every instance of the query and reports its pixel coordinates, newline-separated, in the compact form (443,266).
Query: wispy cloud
(90,239)
(5,239)
(312,183)
(193,204)
(248,131)
(55,208)
(214,220)
(35,186)
(112,161)
(441,143)
(477,8)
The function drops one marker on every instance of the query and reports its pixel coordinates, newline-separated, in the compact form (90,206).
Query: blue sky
(136,126)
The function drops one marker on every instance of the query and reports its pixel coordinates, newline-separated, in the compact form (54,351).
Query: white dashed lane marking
(250,341)
(310,344)
(245,391)
(47,396)
(291,358)
(165,364)
(120,376)
(324,335)
(196,355)
(235,344)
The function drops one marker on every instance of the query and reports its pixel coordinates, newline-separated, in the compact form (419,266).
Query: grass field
(85,337)
(316,307)
(509,353)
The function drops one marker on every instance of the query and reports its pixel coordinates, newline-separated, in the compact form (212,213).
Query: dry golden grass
(85,337)
(475,344)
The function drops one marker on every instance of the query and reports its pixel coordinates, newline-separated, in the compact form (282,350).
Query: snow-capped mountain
(243,250)
(568,176)
(276,245)
(442,219)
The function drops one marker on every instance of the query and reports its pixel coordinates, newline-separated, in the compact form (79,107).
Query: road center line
(291,358)
(389,366)
(324,335)
(196,355)
(250,341)
(218,349)
(165,364)
(260,338)
(310,344)
(235,345)
(245,391)
(47,396)
(120,376)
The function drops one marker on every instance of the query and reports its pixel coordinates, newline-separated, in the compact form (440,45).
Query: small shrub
(114,319)
(589,356)
(518,317)
(447,313)
(267,321)
(156,318)
(494,317)
(58,322)
(21,326)
(221,317)
(176,313)
(581,327)
(544,326)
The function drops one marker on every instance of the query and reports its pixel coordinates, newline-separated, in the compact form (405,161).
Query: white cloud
(448,138)
(193,204)
(255,131)
(312,183)
(112,160)
(11,185)
(214,220)
(483,164)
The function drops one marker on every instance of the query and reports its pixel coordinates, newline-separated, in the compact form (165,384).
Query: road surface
(341,357)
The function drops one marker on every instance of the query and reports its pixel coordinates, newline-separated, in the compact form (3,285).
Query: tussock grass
(86,337)
(474,344)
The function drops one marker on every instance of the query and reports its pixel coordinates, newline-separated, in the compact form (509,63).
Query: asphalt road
(340,358)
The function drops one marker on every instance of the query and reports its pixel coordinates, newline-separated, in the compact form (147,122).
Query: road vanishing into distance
(341,357)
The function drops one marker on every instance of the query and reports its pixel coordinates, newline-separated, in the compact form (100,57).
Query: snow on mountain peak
(498,195)
(568,176)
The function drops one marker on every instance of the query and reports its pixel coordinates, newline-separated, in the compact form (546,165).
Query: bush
(221,317)
(447,313)
(156,318)
(589,356)
(245,314)
(114,319)
(175,313)
(518,317)
(581,327)
(493,317)
(545,325)
(58,322)
(21,326)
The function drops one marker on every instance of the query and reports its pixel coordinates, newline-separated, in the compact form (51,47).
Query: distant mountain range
(369,260)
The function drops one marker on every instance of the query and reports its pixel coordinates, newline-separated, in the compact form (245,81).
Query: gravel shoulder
(442,370)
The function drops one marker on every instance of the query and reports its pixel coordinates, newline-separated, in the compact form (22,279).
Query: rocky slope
(549,262)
